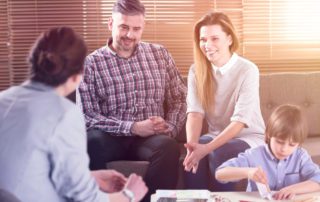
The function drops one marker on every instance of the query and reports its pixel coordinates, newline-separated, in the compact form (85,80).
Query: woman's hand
(136,184)
(109,180)
(195,152)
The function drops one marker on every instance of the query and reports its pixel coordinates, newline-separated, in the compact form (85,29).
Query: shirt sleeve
(248,99)
(193,103)
(243,160)
(87,99)
(69,161)
(175,97)
(309,170)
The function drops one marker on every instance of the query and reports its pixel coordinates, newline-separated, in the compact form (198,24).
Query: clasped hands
(195,152)
(151,126)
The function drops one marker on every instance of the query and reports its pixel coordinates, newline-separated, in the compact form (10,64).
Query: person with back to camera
(43,144)
(223,88)
(281,163)
(125,86)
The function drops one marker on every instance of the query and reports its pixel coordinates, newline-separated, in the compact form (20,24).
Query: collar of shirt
(271,156)
(226,67)
(37,85)
(109,42)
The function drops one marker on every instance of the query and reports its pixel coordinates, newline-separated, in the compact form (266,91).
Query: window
(278,35)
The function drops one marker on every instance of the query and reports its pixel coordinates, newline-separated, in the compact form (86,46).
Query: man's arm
(87,99)
(175,97)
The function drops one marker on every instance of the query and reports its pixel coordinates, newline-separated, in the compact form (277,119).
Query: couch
(297,88)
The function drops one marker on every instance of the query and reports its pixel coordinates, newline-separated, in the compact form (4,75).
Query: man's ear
(110,21)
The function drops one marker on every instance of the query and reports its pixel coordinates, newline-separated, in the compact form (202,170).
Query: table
(255,197)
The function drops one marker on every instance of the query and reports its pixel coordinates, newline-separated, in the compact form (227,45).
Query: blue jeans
(204,178)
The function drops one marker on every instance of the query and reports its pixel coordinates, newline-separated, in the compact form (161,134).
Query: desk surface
(255,197)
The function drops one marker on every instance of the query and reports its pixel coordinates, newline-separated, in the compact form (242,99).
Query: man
(125,87)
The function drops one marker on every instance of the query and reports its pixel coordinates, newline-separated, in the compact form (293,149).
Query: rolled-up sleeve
(309,170)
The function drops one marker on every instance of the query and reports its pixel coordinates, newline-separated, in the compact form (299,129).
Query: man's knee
(167,146)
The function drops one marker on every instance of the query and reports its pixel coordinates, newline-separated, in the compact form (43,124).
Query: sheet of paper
(183,194)
(263,191)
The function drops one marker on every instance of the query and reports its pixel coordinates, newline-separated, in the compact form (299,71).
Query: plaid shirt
(116,92)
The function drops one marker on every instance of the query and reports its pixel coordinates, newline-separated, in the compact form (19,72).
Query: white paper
(263,191)
(183,194)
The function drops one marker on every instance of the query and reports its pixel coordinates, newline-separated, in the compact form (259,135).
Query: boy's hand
(285,193)
(258,175)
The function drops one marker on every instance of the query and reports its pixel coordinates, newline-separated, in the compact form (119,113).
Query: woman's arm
(227,134)
(194,126)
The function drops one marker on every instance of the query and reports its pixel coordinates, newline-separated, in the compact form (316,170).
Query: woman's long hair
(205,81)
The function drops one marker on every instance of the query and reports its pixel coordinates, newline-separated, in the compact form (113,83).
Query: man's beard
(123,46)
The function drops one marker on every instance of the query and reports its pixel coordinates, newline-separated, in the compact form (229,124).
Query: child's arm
(299,188)
(228,174)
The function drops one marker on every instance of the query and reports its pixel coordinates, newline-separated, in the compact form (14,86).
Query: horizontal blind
(4,51)
(26,20)
(278,35)
(169,23)
(282,35)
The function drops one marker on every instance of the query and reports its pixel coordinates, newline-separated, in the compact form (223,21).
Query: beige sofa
(275,89)
(295,88)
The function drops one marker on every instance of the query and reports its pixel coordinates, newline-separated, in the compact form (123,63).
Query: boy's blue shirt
(297,167)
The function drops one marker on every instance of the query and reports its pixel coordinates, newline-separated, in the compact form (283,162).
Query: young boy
(281,164)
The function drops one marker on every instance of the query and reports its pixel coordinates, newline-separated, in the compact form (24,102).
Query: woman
(42,134)
(223,88)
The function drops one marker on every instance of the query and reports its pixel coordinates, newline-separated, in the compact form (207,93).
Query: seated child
(281,164)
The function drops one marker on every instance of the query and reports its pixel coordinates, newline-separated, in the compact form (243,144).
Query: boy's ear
(266,138)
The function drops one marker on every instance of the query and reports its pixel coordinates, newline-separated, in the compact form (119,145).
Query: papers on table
(182,195)
(264,191)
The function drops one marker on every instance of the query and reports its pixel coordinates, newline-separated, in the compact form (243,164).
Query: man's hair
(287,122)
(128,7)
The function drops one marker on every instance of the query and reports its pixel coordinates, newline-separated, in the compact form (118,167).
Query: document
(264,191)
(182,195)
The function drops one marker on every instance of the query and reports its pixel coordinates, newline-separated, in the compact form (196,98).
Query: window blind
(278,35)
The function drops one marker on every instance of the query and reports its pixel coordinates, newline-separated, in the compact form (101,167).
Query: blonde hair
(205,81)
(287,122)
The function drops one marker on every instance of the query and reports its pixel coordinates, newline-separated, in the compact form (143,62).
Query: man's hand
(151,126)
(109,180)
(159,124)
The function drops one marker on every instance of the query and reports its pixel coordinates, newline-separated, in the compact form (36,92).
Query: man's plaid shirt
(116,92)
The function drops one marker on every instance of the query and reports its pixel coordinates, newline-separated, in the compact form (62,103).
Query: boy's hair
(287,122)
(128,7)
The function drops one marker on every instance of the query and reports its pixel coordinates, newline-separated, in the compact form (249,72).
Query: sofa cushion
(297,88)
